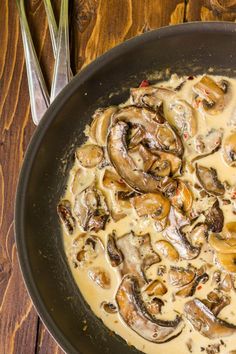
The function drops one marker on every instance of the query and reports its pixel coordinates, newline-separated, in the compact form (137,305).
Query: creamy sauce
(95,295)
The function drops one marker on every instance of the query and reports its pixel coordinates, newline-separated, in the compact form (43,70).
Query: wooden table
(95,26)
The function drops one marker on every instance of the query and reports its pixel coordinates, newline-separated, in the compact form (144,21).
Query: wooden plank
(211,10)
(99,25)
(46,343)
(18,324)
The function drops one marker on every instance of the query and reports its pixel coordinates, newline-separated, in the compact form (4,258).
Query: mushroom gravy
(149,216)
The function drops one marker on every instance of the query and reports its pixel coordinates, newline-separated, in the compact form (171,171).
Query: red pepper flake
(185,136)
(199,287)
(233,195)
(190,77)
(144,83)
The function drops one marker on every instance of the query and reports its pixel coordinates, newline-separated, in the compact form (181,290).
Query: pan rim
(36,140)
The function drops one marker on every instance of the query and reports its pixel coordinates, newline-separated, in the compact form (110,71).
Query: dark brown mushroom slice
(65,214)
(215,218)
(216,302)
(159,133)
(150,96)
(138,255)
(137,136)
(208,179)
(179,240)
(114,254)
(179,276)
(205,322)
(91,209)
(134,313)
(138,180)
(189,289)
(142,157)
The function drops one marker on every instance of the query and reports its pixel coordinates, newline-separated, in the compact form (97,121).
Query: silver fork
(53,29)
(62,71)
(39,97)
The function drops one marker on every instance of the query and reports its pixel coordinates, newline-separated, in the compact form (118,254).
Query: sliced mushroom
(179,276)
(214,218)
(154,306)
(211,94)
(208,144)
(161,168)
(109,307)
(102,119)
(204,321)
(142,157)
(222,245)
(89,155)
(151,204)
(114,254)
(125,166)
(167,250)
(112,180)
(182,116)
(137,136)
(174,163)
(229,150)
(198,234)
(150,96)
(86,249)
(229,229)
(182,199)
(156,288)
(124,198)
(227,261)
(159,132)
(91,209)
(226,283)
(65,214)
(216,302)
(179,240)
(208,179)
(189,289)
(100,277)
(138,255)
(134,313)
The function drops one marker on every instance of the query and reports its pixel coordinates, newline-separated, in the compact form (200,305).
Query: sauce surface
(87,259)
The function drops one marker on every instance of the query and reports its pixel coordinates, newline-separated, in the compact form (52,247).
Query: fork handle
(62,72)
(39,97)
(52,25)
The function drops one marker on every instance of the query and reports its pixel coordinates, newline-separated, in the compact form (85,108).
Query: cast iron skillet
(186,49)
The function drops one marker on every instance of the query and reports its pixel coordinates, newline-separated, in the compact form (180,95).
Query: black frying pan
(185,49)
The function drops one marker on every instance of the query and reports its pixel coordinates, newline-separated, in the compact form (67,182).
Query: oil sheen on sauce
(189,340)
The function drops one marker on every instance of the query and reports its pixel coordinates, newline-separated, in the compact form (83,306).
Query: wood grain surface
(95,27)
